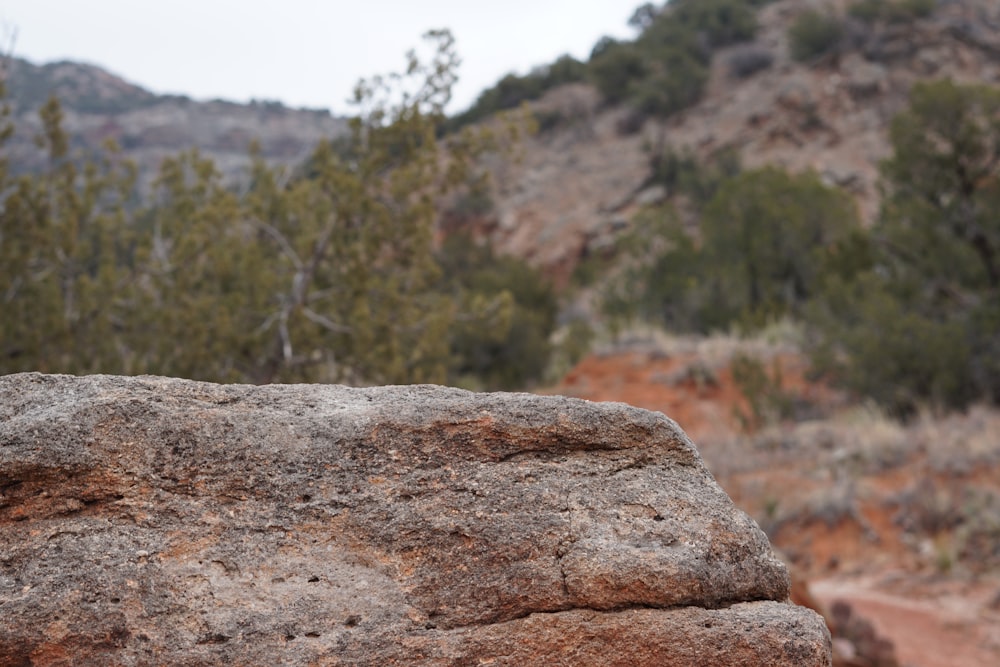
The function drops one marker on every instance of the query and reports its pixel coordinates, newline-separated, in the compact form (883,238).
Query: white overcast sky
(302,52)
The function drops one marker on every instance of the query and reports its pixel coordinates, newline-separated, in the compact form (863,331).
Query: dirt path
(950,629)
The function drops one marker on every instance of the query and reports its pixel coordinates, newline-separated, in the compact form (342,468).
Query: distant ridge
(101,106)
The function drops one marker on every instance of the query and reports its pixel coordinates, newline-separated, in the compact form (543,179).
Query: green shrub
(615,69)
(665,69)
(762,388)
(769,235)
(328,275)
(897,356)
(722,22)
(813,34)
(674,82)
(685,174)
(768,241)
(509,358)
(892,11)
(918,8)
(513,90)
(919,327)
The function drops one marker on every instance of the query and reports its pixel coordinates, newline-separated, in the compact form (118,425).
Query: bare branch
(286,341)
(325,322)
(286,247)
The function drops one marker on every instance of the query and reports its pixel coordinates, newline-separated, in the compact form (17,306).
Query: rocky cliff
(150,520)
(100,106)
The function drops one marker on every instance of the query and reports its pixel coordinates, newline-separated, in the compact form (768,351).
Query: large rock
(159,521)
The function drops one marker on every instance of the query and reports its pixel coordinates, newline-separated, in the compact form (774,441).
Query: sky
(304,53)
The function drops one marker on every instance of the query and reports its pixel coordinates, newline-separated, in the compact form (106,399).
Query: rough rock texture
(159,521)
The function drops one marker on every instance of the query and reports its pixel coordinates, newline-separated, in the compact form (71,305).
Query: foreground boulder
(159,521)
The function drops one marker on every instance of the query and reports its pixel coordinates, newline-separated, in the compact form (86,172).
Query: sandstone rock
(159,521)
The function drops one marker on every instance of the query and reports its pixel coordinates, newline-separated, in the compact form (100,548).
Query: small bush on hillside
(749,60)
(814,34)
(673,170)
(767,399)
(868,11)
(665,69)
(770,236)
(684,173)
(721,22)
(918,8)
(631,123)
(674,82)
(513,90)
(615,69)
(549,120)
(892,11)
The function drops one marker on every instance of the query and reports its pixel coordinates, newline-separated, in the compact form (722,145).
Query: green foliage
(665,69)
(773,232)
(921,327)
(511,350)
(768,240)
(721,22)
(683,173)
(326,275)
(897,356)
(814,34)
(945,189)
(673,82)
(665,283)
(513,90)
(615,69)
(573,344)
(891,11)
(60,291)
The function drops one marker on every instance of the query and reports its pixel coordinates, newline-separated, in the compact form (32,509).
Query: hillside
(100,106)
(578,181)
(574,184)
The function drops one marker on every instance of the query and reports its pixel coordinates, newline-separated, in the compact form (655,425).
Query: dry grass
(925,494)
(714,351)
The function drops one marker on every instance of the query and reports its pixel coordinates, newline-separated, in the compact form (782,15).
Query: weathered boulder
(158,521)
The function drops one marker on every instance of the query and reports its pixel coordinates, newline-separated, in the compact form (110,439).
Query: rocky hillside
(99,106)
(574,185)
(579,179)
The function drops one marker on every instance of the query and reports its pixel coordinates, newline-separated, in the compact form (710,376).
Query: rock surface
(159,521)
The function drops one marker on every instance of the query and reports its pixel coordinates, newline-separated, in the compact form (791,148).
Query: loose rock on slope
(152,520)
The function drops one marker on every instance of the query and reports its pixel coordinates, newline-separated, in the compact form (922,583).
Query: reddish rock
(159,521)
